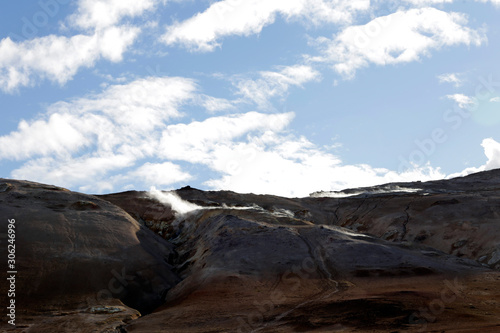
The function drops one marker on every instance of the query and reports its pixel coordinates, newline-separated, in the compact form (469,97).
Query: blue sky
(264,96)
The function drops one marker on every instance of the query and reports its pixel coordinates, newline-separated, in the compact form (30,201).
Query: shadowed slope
(77,253)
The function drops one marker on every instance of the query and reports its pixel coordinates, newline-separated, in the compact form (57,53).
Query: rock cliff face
(76,255)
(407,256)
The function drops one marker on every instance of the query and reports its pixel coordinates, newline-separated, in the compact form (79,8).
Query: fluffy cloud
(295,167)
(252,152)
(196,142)
(453,78)
(462,100)
(434,2)
(214,104)
(121,117)
(492,152)
(87,172)
(56,135)
(58,58)
(108,141)
(401,37)
(99,14)
(94,174)
(427,2)
(273,84)
(158,174)
(224,18)
(82,141)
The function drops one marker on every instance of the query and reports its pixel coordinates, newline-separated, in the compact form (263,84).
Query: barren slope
(420,261)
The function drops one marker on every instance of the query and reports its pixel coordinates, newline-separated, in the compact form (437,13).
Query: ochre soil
(373,304)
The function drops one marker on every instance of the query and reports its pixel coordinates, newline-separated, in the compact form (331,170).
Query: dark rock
(245,262)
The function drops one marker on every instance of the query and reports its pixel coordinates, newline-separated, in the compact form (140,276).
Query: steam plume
(178,205)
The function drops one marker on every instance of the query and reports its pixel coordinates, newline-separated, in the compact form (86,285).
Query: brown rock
(75,252)
(256,263)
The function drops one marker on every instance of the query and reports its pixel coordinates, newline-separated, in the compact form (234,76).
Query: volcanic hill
(404,257)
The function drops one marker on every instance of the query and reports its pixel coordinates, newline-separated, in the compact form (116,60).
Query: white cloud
(453,78)
(159,174)
(427,2)
(495,2)
(195,142)
(294,167)
(401,37)
(435,2)
(58,58)
(101,142)
(99,14)
(492,152)
(273,84)
(214,104)
(92,173)
(203,31)
(87,172)
(121,117)
(462,100)
(139,106)
(253,153)
(82,141)
(56,135)
(495,99)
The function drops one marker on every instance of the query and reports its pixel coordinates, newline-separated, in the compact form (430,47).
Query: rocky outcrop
(459,216)
(415,256)
(76,253)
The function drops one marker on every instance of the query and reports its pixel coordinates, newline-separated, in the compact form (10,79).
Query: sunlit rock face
(416,256)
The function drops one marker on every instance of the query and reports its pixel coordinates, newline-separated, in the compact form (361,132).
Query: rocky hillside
(396,257)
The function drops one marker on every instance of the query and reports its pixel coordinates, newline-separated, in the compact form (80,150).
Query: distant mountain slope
(376,262)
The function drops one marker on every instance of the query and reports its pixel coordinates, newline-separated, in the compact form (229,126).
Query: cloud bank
(129,136)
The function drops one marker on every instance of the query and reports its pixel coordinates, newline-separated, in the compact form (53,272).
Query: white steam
(182,207)
(178,205)
(383,190)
